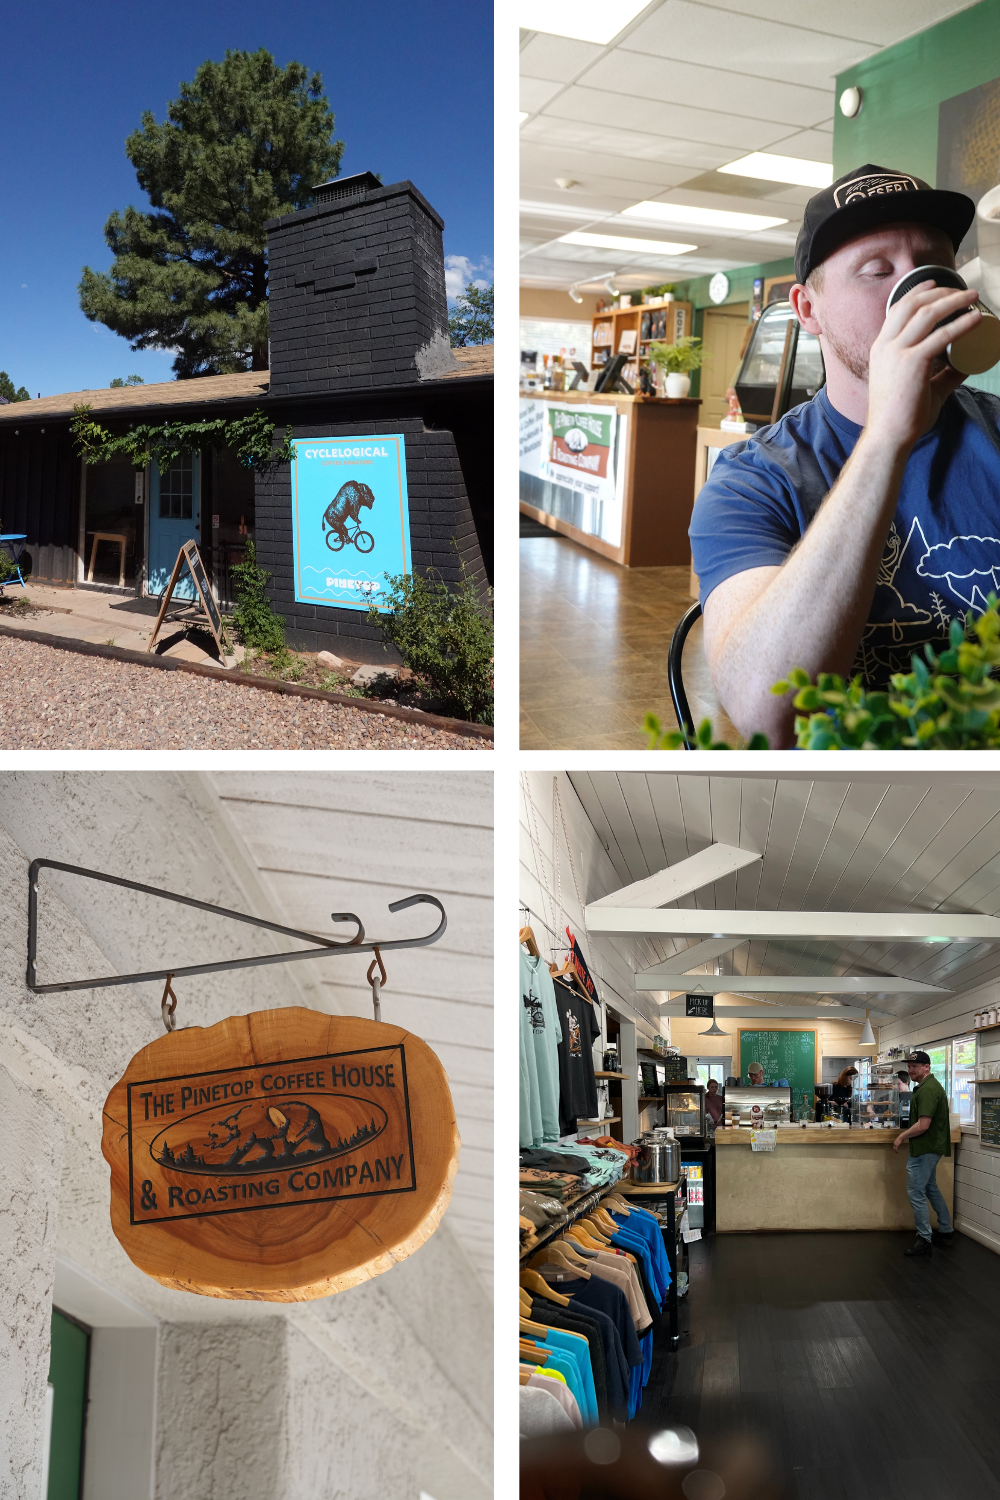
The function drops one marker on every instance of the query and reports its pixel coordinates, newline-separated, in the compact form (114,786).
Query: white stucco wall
(234,1379)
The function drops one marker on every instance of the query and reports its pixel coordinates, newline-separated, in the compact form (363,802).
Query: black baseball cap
(867,198)
(918,1057)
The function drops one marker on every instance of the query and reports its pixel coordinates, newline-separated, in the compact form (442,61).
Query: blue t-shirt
(942,555)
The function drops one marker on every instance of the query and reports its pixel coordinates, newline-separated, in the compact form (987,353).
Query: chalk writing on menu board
(989,1120)
(783,1054)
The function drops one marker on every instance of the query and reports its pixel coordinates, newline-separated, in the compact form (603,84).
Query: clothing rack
(583,1206)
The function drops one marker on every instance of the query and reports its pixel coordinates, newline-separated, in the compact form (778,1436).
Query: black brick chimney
(357,291)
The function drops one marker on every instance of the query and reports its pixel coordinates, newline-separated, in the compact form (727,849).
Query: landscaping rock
(365,676)
(327,659)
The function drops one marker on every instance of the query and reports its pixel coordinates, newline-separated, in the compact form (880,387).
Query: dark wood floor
(594,640)
(872,1376)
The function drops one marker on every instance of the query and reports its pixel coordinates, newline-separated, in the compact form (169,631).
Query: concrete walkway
(109,619)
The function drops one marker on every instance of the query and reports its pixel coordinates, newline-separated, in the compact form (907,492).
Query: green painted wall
(68,1376)
(904,85)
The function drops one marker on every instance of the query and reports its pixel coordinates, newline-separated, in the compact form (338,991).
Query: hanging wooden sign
(279,1156)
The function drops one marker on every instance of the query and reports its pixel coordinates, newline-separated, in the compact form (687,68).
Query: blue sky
(410,85)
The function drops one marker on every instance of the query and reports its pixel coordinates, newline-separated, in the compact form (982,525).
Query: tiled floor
(594,640)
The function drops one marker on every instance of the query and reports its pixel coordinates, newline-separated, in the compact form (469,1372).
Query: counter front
(818,1178)
(614,473)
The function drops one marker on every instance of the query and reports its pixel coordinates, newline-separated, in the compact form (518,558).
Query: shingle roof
(247,385)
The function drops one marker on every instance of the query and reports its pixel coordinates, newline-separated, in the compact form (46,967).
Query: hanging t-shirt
(538,1002)
(942,555)
(577,1084)
(530,1099)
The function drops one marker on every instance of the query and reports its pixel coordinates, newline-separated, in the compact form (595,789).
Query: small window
(176,489)
(963,1095)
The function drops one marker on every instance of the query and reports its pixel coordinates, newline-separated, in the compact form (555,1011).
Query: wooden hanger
(539,1356)
(534,1283)
(596,1230)
(559,1255)
(622,1206)
(525,1325)
(589,1240)
(527,937)
(524,1376)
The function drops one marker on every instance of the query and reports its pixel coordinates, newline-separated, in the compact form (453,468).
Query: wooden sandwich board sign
(198,612)
(279,1156)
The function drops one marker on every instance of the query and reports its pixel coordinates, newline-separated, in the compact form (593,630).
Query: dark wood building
(358,347)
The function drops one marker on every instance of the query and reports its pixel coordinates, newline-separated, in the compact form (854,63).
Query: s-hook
(167,1011)
(322,947)
(377,981)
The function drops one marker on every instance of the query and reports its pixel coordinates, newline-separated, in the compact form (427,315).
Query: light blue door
(174,518)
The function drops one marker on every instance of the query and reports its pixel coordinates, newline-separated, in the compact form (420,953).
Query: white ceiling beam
(701,953)
(811,926)
(675,1009)
(688,875)
(787,984)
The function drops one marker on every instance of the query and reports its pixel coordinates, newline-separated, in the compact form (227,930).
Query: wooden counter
(818,1179)
(657,466)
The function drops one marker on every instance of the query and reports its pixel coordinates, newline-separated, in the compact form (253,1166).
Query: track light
(574,294)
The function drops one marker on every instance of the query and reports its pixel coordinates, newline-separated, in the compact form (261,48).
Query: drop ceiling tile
(879,22)
(536,92)
(586,135)
(691,32)
(596,169)
(558,57)
(807,145)
(638,75)
(678,121)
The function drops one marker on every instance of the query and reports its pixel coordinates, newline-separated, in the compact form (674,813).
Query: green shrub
(253,619)
(445,637)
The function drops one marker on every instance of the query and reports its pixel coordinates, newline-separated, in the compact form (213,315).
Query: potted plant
(656,296)
(675,362)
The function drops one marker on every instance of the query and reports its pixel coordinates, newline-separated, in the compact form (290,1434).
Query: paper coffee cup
(979,348)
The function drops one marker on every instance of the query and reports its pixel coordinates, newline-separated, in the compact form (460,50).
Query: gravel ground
(56,700)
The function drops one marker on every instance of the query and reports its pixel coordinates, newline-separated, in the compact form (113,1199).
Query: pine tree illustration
(938,609)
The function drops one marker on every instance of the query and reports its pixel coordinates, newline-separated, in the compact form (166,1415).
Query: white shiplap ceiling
(326,842)
(905,842)
(684,89)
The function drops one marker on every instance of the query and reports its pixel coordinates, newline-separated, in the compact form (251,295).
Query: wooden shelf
(651,1099)
(977,1029)
(625,1076)
(614,1120)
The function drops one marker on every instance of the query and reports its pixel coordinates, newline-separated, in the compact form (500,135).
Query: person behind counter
(755,1073)
(842,1090)
(714,1103)
(929,1139)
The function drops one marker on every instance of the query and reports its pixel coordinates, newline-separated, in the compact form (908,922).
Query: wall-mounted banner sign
(350,518)
(699,1005)
(279,1156)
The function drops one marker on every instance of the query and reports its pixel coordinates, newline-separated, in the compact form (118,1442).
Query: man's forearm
(813,611)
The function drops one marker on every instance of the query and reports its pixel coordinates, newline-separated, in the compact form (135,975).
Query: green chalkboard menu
(783,1054)
(989,1119)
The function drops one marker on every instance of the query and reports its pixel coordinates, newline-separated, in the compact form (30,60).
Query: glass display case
(875,1108)
(684,1108)
(766,1107)
(757,380)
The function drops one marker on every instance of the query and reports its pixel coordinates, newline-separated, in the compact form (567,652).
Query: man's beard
(849,355)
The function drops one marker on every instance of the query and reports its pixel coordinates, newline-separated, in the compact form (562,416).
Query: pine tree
(245,142)
(7,390)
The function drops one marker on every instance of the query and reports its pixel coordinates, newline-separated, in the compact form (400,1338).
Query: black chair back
(675,675)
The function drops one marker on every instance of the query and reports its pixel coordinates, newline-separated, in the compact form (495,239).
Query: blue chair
(11,538)
(675,676)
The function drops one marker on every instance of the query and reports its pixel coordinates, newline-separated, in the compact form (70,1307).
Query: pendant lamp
(713,1030)
(867,1035)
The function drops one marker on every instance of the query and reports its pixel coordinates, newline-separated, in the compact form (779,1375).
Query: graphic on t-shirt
(966,567)
(574,1032)
(533,1005)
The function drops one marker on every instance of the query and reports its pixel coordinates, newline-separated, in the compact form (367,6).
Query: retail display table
(817,1178)
(666,1193)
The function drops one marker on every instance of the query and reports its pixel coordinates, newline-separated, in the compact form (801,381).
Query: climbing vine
(163,443)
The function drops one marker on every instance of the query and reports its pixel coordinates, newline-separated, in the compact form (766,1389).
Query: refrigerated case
(761,370)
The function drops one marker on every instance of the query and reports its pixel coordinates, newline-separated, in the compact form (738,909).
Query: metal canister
(658,1160)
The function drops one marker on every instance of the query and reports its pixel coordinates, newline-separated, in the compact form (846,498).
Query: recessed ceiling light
(781,169)
(585,20)
(620,242)
(707,218)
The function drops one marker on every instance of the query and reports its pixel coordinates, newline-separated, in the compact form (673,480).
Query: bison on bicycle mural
(342,510)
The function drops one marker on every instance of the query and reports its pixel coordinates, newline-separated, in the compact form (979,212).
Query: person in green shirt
(929,1138)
